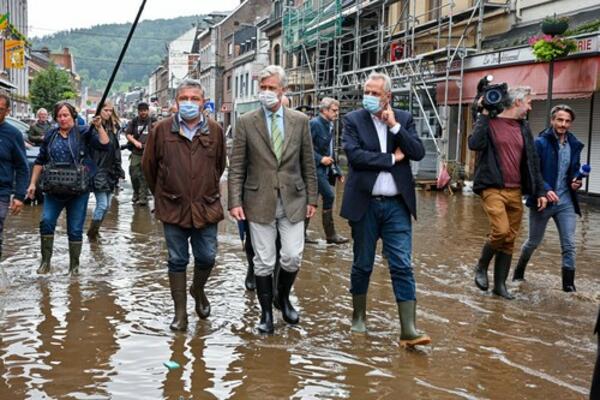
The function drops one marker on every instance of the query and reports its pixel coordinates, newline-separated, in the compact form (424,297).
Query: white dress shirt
(385,184)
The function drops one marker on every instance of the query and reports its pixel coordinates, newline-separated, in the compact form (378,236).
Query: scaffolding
(334,45)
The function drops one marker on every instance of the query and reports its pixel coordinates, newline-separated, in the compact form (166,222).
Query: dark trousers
(3,213)
(325,189)
(138,182)
(595,391)
(388,219)
(204,246)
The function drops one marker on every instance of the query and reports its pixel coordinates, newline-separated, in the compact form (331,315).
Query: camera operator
(506,168)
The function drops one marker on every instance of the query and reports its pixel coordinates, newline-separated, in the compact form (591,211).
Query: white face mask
(268,98)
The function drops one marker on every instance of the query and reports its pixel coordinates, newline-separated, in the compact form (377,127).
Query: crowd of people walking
(280,164)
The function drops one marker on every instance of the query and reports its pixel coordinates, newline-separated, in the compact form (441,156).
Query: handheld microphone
(583,172)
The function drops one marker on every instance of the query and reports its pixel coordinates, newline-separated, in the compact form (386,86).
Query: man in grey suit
(273,184)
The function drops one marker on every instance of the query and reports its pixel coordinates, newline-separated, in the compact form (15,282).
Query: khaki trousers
(504,208)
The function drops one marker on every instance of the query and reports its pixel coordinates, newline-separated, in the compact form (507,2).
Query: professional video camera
(495,97)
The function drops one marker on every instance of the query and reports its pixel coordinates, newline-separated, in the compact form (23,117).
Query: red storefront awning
(574,78)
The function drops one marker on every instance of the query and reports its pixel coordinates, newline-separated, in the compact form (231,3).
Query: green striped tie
(276,136)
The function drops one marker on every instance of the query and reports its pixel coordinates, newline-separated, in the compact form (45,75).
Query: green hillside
(96,49)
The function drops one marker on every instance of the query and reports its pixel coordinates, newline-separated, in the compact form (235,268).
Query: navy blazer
(361,144)
(546,145)
(80,145)
(321,138)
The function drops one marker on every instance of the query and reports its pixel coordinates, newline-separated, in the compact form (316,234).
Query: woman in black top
(108,163)
(66,146)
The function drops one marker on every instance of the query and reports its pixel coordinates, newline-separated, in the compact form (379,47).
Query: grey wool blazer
(256,178)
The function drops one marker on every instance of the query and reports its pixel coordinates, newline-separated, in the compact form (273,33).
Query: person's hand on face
(388,116)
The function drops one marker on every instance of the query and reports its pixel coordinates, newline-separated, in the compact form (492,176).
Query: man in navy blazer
(321,130)
(379,199)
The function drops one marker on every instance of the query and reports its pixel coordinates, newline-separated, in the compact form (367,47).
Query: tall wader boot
(359,313)
(47,245)
(307,239)
(94,229)
(177,282)
(197,291)
(264,293)
(249,282)
(74,253)
(519,272)
(568,280)
(329,228)
(501,270)
(409,336)
(284,286)
(481,269)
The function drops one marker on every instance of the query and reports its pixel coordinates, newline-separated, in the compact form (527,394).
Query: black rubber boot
(47,245)
(249,282)
(276,270)
(74,253)
(264,293)
(197,291)
(481,269)
(94,229)
(284,286)
(307,239)
(409,336)
(359,313)
(501,270)
(329,228)
(519,272)
(177,282)
(568,280)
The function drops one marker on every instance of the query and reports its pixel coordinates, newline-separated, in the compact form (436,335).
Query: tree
(49,87)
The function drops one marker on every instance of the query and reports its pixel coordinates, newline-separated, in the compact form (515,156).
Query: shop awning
(573,78)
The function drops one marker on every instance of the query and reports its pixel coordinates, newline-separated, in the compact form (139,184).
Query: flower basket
(547,47)
(555,26)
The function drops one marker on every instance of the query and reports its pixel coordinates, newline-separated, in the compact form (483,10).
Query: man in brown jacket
(183,162)
(273,184)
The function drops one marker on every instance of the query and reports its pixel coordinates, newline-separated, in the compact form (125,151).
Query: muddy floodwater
(105,334)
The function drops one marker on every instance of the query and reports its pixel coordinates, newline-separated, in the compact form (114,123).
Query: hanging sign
(14,54)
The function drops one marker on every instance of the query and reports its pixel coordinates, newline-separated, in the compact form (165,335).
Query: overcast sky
(49,16)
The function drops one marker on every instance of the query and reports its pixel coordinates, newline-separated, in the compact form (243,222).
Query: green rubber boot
(409,336)
(359,313)
(74,253)
(47,245)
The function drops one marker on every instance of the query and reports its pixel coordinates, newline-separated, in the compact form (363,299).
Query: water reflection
(105,334)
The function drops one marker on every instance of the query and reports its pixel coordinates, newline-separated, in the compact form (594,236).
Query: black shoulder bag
(65,178)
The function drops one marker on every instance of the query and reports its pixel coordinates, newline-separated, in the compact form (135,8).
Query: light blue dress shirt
(188,132)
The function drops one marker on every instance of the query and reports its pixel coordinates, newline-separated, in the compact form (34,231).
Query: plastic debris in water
(171,364)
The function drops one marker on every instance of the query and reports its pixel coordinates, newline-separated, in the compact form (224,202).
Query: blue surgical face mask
(371,103)
(189,110)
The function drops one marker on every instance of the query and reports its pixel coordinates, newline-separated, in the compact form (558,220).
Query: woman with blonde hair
(109,171)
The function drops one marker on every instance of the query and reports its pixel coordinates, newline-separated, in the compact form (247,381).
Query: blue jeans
(325,189)
(389,220)
(76,210)
(102,204)
(565,219)
(204,246)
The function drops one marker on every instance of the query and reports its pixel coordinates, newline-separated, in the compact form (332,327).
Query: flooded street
(106,333)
